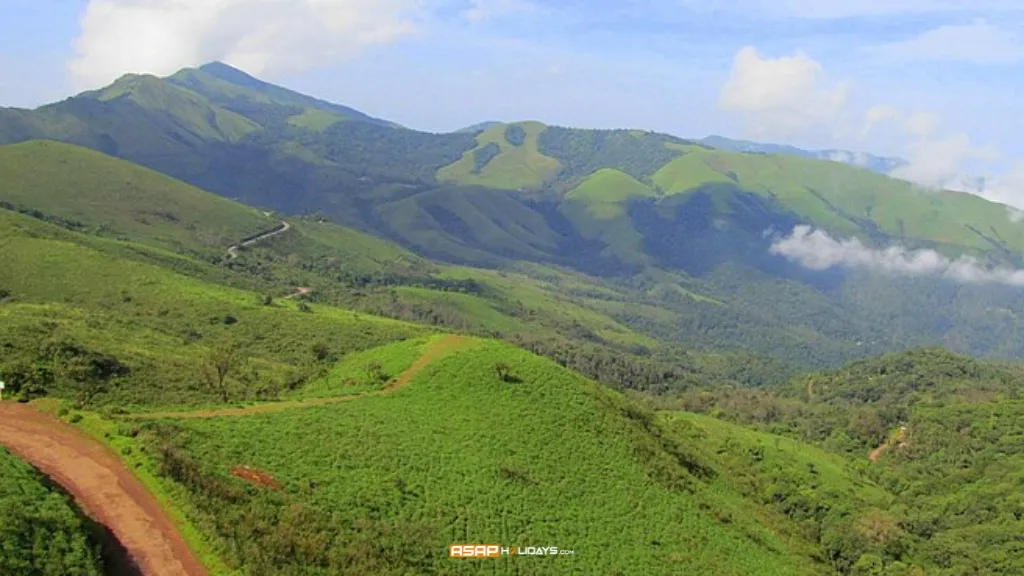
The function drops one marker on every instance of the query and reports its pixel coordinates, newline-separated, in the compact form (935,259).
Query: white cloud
(782,97)
(817,250)
(482,10)
(260,36)
(1007,188)
(979,43)
(938,162)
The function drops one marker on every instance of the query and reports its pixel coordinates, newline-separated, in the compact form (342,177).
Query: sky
(932,81)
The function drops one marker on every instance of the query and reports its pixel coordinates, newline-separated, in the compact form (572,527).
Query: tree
(221,361)
(504,372)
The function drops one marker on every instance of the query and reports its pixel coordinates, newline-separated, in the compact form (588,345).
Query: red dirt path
(102,486)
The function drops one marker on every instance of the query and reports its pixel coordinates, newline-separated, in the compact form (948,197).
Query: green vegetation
(41,531)
(543,457)
(938,432)
(324,356)
(516,164)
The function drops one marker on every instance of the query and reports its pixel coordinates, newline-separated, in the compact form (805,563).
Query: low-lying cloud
(817,250)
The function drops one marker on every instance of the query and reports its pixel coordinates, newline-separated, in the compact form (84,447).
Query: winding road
(102,486)
(281,229)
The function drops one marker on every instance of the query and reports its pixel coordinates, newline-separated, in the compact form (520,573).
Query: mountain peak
(231,74)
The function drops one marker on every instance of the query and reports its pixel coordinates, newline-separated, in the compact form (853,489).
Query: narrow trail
(281,229)
(434,352)
(299,292)
(897,439)
(102,486)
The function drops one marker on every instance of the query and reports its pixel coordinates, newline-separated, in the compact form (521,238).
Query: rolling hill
(679,228)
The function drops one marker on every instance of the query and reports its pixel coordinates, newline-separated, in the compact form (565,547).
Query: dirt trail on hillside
(102,486)
(897,439)
(281,229)
(299,292)
(435,351)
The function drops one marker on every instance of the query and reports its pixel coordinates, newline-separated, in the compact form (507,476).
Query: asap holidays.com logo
(497,551)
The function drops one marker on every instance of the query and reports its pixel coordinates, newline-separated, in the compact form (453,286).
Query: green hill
(460,456)
(506,157)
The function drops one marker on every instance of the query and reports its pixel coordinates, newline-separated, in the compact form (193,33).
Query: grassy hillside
(89,190)
(543,457)
(41,531)
(598,208)
(506,157)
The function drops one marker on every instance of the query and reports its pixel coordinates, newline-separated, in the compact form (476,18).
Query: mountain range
(687,228)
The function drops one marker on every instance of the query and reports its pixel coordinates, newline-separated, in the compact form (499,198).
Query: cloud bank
(260,36)
(787,96)
(817,250)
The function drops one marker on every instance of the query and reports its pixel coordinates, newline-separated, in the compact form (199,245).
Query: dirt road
(282,228)
(106,490)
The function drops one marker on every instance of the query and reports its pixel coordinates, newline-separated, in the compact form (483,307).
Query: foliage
(600,457)
(41,532)
(481,156)
(942,432)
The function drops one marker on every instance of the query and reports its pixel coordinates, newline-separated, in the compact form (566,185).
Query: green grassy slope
(512,166)
(460,456)
(598,208)
(41,531)
(122,199)
(160,324)
(238,91)
(852,201)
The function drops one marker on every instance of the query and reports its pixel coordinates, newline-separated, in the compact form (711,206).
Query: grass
(548,459)
(514,168)
(188,108)
(120,199)
(843,198)
(598,208)
(316,120)
(161,323)
(354,375)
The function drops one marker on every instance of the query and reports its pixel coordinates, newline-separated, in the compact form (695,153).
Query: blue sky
(938,77)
